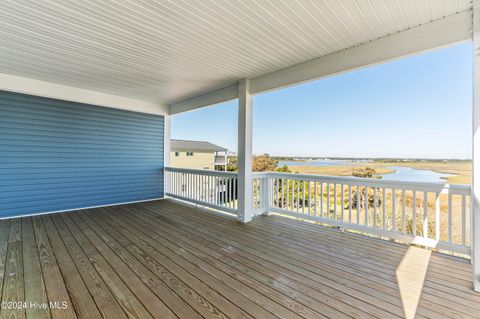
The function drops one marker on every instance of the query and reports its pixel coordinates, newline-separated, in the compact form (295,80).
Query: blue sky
(416,107)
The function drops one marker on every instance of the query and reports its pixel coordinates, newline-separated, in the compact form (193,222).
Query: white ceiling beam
(215,97)
(447,31)
(24,85)
(439,33)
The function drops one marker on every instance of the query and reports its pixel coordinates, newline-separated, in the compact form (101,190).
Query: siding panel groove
(59,155)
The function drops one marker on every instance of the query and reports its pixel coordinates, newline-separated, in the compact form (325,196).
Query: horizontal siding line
(140,164)
(55,190)
(22,108)
(43,201)
(73,147)
(85,160)
(56,171)
(73,183)
(39,181)
(72,122)
(74,140)
(71,112)
(40,177)
(36,157)
(78,151)
(21,112)
(152,181)
(69,144)
(79,185)
(62,205)
(42,188)
(96,203)
(128,138)
(64,151)
(80,208)
(57,165)
(91,173)
(73,196)
(11,191)
(76,105)
(56,162)
(77,128)
(11,110)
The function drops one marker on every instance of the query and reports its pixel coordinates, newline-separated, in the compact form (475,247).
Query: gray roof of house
(198,146)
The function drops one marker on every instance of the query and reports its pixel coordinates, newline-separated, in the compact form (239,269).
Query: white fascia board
(211,98)
(25,85)
(475,195)
(443,32)
(439,33)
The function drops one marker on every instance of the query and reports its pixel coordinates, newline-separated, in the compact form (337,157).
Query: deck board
(55,286)
(84,304)
(13,286)
(34,285)
(164,259)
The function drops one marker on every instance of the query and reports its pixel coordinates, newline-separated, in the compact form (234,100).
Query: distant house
(198,155)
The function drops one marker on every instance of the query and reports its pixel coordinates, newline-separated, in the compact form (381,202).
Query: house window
(177,154)
(189,153)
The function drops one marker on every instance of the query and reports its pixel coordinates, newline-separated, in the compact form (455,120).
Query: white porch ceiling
(169,51)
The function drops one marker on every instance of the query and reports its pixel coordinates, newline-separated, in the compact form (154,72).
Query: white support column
(245,187)
(166,148)
(475,199)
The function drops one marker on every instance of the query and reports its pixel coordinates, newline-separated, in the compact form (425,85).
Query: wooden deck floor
(166,260)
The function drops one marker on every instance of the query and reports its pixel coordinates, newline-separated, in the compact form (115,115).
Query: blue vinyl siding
(57,155)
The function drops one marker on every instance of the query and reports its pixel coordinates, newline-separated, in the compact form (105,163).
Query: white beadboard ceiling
(168,51)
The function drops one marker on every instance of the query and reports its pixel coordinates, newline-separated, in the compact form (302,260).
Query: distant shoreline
(461,170)
(375,159)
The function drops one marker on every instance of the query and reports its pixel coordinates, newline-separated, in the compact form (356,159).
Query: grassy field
(461,169)
(336,170)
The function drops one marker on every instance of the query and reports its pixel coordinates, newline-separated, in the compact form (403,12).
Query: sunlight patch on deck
(410,278)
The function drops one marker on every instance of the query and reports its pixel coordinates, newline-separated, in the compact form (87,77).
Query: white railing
(220,160)
(260,193)
(213,189)
(431,214)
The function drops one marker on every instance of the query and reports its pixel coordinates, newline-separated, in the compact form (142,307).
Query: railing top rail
(373,182)
(201,171)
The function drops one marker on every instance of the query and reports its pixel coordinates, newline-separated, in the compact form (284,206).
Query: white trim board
(216,97)
(82,208)
(24,85)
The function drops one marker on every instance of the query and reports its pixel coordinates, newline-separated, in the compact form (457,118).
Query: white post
(166,149)
(475,199)
(245,177)
(267,191)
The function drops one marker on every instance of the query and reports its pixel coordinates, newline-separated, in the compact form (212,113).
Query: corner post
(245,177)
(166,150)
(475,196)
